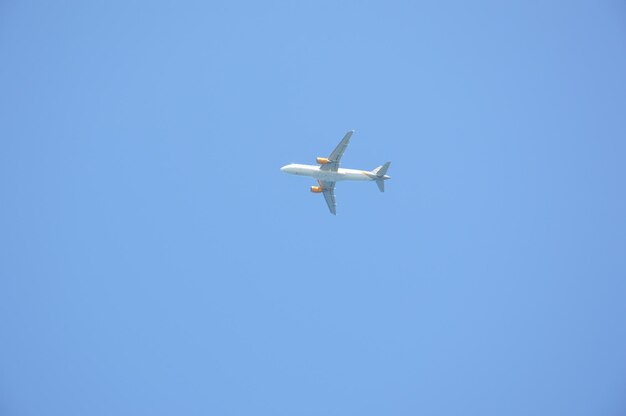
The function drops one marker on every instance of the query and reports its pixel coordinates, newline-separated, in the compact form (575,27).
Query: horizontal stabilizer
(381,185)
(381,170)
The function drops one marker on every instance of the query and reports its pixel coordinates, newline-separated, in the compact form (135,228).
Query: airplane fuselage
(327,175)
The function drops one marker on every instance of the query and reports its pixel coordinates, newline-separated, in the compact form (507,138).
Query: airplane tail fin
(380,173)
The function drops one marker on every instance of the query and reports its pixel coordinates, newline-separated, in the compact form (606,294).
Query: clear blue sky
(155,261)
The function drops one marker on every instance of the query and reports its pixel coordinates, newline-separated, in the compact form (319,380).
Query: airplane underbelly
(356,176)
(310,172)
(329,176)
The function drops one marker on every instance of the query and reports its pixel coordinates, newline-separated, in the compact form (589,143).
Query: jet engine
(316,189)
(322,160)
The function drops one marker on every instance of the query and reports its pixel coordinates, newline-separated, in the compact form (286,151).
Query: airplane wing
(335,156)
(328,188)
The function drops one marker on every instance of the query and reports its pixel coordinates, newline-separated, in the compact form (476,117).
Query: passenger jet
(328,172)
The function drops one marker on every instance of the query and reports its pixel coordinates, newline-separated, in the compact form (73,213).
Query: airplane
(328,173)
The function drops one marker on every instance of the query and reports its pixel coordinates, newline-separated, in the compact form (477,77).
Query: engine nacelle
(322,160)
(316,189)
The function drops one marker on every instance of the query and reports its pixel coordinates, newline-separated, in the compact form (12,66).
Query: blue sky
(154,259)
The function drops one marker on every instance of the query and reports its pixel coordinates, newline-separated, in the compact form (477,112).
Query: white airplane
(328,172)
